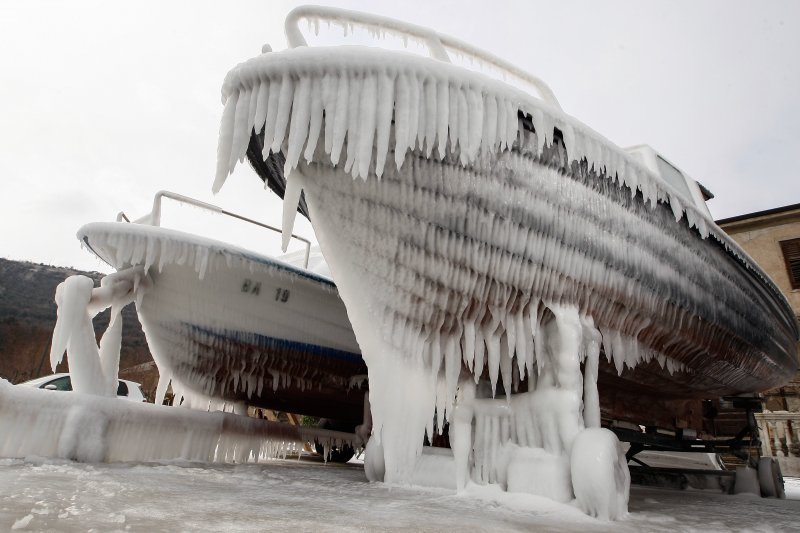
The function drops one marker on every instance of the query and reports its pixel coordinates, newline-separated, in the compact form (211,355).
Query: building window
(791,255)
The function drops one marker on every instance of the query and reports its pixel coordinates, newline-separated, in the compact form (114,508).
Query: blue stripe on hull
(267,343)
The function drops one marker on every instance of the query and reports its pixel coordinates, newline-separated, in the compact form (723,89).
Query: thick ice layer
(228,326)
(363,105)
(151,247)
(93,369)
(83,427)
(504,247)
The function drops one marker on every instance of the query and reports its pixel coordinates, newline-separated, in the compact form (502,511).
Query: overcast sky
(104,103)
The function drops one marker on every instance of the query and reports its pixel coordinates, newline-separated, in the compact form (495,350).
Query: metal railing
(154,217)
(436,43)
(779,433)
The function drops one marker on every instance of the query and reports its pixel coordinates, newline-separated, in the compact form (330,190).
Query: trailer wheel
(337,454)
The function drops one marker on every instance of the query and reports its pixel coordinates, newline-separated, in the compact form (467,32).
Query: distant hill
(28,315)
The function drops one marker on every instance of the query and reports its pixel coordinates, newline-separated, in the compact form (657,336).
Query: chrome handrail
(154,217)
(437,43)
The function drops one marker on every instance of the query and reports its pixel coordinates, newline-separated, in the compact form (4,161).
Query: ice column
(93,369)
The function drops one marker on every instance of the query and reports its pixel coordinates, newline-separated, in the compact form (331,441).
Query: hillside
(28,315)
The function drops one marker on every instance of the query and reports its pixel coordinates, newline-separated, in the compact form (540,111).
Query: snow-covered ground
(307,495)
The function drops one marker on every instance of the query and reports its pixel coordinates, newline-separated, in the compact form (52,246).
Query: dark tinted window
(122,389)
(791,255)
(62,383)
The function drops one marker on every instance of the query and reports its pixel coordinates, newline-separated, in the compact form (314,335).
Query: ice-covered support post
(461,431)
(591,398)
(93,369)
(364,429)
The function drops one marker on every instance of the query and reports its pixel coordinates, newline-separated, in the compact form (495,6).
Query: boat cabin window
(791,255)
(674,177)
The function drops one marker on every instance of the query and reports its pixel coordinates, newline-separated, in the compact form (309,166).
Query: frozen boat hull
(480,206)
(681,317)
(230,326)
(503,220)
(485,242)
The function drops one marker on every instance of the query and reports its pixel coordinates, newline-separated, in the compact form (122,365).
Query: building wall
(760,237)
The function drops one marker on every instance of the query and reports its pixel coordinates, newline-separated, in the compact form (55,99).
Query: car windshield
(62,383)
(122,389)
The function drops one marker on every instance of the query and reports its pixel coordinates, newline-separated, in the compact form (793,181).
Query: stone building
(772,239)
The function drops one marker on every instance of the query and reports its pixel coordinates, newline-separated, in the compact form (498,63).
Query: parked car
(130,390)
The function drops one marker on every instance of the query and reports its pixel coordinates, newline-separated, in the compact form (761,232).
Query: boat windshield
(674,177)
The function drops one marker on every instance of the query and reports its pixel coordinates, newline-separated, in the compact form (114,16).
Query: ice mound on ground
(600,476)
(91,428)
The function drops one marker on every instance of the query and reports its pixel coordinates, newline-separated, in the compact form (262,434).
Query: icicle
(353,129)
(262,101)
(284,106)
(275,90)
(502,126)
(329,87)
(443,110)
(432,114)
(543,127)
(469,344)
(493,350)
(591,400)
(401,119)
(418,139)
(251,110)
(315,125)
(291,199)
(383,120)
(519,343)
(240,133)
(301,116)
(505,365)
(340,119)
(476,115)
(368,120)
(226,129)
(413,110)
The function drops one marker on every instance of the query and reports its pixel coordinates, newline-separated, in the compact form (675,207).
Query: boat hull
(454,208)
(241,329)
(435,244)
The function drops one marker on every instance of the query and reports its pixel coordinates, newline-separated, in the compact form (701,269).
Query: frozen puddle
(311,496)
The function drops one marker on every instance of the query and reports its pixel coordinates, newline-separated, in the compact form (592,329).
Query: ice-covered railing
(438,44)
(154,217)
(147,243)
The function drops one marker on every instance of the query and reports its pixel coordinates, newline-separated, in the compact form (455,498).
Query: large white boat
(480,236)
(228,325)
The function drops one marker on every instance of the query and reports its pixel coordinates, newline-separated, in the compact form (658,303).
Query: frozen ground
(43,495)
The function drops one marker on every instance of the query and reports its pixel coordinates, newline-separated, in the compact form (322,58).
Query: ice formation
(84,427)
(93,369)
(501,249)
(228,327)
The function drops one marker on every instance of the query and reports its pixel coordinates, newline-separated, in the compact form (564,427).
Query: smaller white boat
(228,325)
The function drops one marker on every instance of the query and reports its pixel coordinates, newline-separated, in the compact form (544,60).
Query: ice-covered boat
(228,325)
(479,236)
